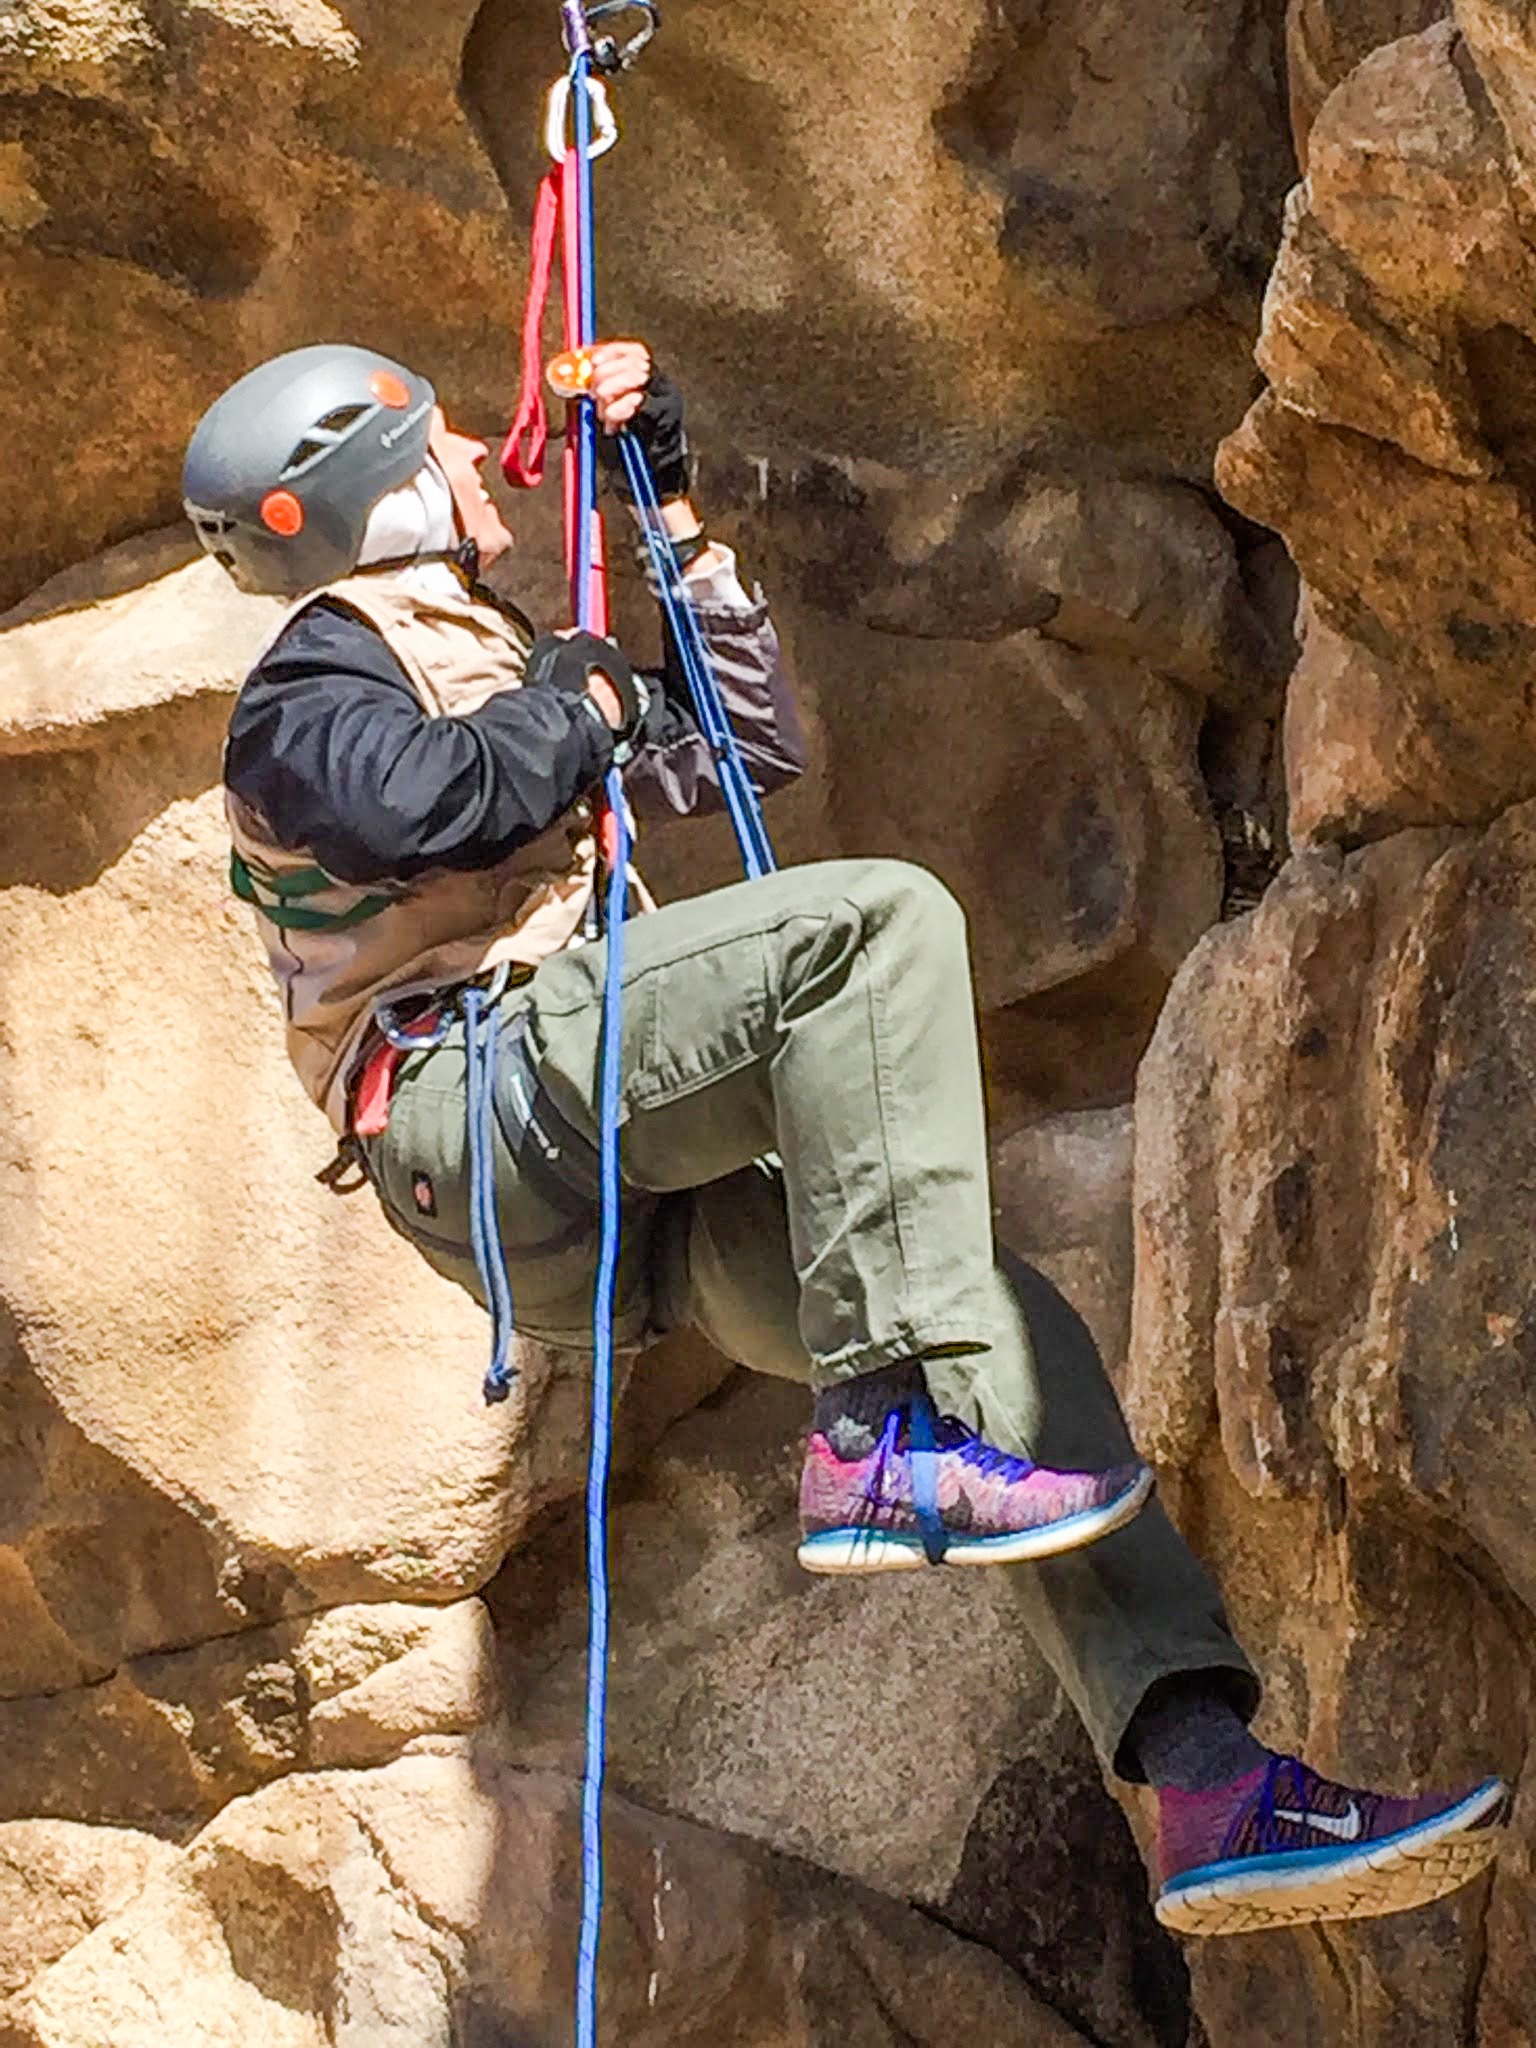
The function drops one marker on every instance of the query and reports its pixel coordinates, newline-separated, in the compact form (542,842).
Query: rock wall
(1332,1299)
(290,1630)
(270,1762)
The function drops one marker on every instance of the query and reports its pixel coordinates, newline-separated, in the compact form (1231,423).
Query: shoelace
(949,1434)
(923,1435)
(952,1435)
(1267,1821)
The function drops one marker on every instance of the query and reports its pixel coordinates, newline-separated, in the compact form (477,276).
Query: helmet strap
(465,558)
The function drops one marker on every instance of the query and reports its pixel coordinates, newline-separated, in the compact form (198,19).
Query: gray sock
(851,1414)
(1186,1735)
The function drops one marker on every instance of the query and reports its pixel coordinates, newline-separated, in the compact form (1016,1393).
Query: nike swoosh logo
(1348,1827)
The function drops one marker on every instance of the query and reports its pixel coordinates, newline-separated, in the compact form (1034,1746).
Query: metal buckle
(406,1035)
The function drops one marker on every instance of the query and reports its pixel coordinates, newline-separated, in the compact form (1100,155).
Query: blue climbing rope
(482,1021)
(741,797)
(481,1024)
(600,1457)
(922,1449)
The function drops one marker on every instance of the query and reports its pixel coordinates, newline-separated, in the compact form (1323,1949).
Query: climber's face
(460,457)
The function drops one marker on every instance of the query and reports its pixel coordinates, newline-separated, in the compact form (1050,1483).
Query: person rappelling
(757,1113)
(413,774)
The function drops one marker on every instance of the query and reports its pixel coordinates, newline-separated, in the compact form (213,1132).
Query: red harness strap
(374,1086)
(375,1083)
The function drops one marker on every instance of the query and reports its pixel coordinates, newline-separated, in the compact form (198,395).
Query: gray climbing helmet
(283,470)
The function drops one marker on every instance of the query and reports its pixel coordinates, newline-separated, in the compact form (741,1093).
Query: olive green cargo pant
(823,1015)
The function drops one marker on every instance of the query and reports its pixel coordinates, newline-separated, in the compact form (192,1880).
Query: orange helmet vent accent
(282,512)
(390,390)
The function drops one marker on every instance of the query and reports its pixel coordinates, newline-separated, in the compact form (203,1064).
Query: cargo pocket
(420,1167)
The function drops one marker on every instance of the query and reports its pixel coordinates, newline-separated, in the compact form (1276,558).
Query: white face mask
(417,519)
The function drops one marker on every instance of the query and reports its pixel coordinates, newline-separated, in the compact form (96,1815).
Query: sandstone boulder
(1392,449)
(1332,1187)
(227,1397)
(145,260)
(1062,1188)
(433,1901)
(1326,39)
(925,238)
(59,1880)
(168,1740)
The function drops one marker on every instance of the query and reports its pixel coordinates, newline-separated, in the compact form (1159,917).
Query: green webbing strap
(288,914)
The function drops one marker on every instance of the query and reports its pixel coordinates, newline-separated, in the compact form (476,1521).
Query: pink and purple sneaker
(950,1497)
(1283,1845)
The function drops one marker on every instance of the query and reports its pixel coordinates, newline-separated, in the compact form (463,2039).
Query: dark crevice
(1244,773)
(1095,1955)
(107,187)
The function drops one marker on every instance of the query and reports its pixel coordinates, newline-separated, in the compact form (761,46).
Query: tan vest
(335,947)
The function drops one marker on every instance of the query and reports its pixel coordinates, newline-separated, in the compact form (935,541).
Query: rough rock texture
(1393,448)
(1087,197)
(1332,1311)
(145,261)
(882,200)
(1332,1317)
(1326,39)
(167,1740)
(243,1404)
(964,302)
(433,1901)
(58,1881)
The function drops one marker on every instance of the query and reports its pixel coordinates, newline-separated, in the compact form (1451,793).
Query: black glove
(569,661)
(658,427)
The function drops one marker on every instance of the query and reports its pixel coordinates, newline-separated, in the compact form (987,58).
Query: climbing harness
(578,103)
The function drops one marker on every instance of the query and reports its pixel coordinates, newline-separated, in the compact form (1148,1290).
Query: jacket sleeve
(331,749)
(679,773)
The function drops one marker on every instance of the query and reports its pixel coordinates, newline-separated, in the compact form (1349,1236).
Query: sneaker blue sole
(1389,1875)
(859,1549)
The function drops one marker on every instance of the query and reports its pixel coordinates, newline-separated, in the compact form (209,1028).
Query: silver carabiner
(406,1034)
(608,53)
(557,113)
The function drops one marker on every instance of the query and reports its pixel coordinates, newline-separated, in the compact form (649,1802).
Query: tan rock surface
(1126,568)
(145,260)
(1332,1189)
(167,1740)
(1084,853)
(976,292)
(1062,1191)
(1326,39)
(151,624)
(1096,184)
(227,1395)
(1393,449)
(760,1701)
(1091,198)
(432,1901)
(58,1880)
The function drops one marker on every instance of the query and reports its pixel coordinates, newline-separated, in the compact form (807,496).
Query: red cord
(522,454)
(525,468)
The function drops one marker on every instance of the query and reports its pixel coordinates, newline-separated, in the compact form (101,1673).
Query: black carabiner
(609,55)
